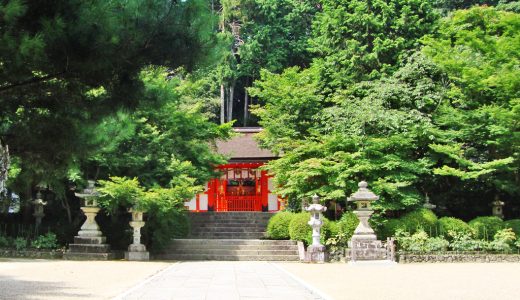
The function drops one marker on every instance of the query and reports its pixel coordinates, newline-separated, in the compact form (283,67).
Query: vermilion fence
(239,203)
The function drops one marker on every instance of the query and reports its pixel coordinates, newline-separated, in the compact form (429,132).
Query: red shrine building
(242,186)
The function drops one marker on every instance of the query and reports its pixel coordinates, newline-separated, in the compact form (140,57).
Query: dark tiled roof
(244,146)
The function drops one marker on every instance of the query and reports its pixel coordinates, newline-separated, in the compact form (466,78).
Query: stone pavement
(221,280)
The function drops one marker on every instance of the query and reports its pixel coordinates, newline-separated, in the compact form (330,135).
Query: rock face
(229,236)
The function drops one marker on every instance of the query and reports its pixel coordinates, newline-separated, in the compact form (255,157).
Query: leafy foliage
(47,241)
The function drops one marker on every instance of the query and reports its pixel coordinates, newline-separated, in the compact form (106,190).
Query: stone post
(136,250)
(316,251)
(38,210)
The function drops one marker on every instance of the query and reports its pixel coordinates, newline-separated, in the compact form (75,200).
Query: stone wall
(56,254)
(448,257)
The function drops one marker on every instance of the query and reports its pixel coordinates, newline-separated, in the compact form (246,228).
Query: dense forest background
(421,98)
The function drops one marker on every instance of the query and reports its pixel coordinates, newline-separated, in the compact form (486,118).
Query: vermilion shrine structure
(242,186)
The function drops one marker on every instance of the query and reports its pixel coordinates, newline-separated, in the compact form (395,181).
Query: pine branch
(29,81)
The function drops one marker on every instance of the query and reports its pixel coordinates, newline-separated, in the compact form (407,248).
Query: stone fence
(456,257)
(45,254)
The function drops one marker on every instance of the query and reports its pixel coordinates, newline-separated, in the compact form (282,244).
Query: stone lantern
(363,199)
(316,251)
(364,245)
(38,210)
(498,208)
(89,196)
(89,243)
(136,250)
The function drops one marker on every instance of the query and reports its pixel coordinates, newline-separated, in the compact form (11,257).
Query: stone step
(228,229)
(249,242)
(172,256)
(89,256)
(268,252)
(181,247)
(89,240)
(228,235)
(92,248)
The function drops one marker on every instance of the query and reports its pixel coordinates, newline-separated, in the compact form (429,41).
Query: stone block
(315,254)
(137,256)
(90,240)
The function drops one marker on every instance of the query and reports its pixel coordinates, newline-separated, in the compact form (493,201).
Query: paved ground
(219,281)
(22,279)
(467,281)
(57,279)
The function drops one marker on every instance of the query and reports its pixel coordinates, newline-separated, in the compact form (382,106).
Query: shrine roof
(243,146)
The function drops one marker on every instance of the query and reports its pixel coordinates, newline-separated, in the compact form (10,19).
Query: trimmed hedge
(486,227)
(300,230)
(447,224)
(421,218)
(278,226)
(513,224)
(347,224)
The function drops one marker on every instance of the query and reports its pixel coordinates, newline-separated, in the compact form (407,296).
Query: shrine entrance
(241,187)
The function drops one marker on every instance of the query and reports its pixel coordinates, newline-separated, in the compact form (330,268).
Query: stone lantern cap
(363,193)
(89,194)
(316,206)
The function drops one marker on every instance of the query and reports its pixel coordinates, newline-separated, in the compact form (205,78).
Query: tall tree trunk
(222,104)
(230,101)
(246,106)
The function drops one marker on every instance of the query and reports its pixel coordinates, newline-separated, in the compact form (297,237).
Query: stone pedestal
(136,250)
(363,231)
(316,254)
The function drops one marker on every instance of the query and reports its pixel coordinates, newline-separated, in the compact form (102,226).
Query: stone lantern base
(316,254)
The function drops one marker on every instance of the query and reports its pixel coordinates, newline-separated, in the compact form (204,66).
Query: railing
(239,203)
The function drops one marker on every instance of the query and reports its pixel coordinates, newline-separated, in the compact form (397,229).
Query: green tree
(479,50)
(66,64)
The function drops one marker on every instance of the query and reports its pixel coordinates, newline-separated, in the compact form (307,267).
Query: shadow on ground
(15,289)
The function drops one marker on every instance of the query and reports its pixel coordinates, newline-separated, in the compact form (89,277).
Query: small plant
(513,224)
(340,240)
(47,241)
(20,243)
(464,241)
(434,244)
(503,241)
(278,226)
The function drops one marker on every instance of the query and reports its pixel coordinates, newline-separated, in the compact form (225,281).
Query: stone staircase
(229,236)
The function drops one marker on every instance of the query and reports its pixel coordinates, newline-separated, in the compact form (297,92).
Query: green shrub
(504,240)
(347,224)
(513,224)
(486,227)
(447,224)
(4,242)
(390,227)
(332,228)
(420,241)
(278,226)
(47,241)
(300,230)
(464,241)
(20,243)
(421,218)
